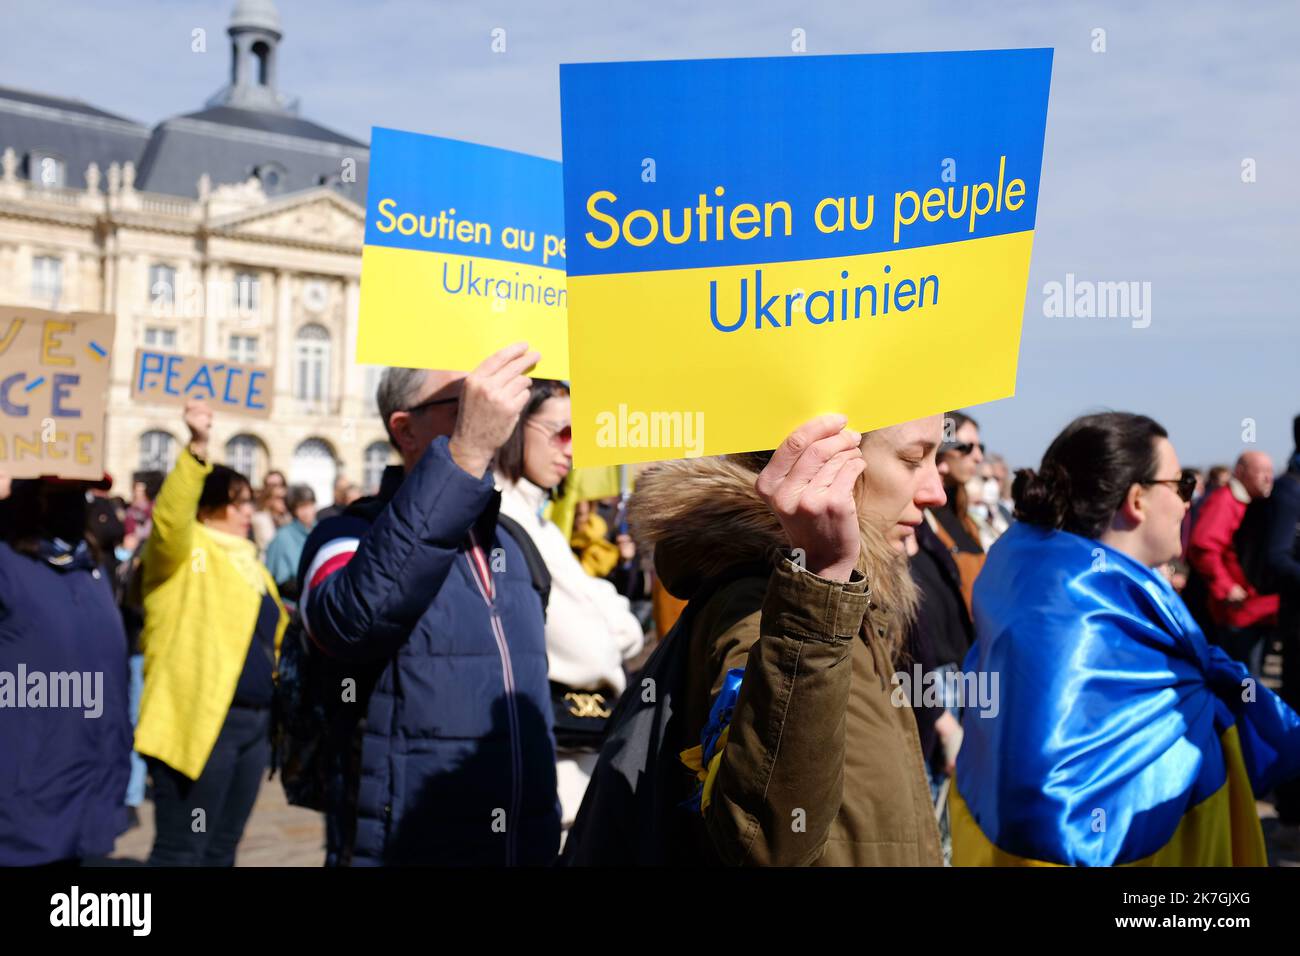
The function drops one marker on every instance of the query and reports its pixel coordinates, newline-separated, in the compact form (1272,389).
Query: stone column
(353,379)
(282,326)
(9,184)
(216,301)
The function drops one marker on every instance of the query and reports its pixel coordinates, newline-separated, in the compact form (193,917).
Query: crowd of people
(854,649)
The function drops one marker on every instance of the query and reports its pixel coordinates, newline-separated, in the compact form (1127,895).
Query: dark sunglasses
(431,403)
(965,448)
(1185,485)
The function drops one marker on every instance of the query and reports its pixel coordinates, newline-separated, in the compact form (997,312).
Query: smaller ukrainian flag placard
(464,254)
(759,241)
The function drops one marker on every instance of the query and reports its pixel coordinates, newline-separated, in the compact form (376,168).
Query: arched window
(246,294)
(247,455)
(243,348)
(312,364)
(47,169)
(263,54)
(157,451)
(47,280)
(377,456)
(272,177)
(162,288)
(315,464)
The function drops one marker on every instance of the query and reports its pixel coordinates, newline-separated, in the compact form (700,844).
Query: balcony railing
(59,195)
(166,205)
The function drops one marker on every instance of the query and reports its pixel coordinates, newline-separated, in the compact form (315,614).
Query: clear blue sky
(1141,176)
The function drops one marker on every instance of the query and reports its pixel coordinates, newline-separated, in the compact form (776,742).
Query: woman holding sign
(784,737)
(212,627)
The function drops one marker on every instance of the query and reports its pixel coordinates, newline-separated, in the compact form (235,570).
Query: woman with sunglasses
(1117,734)
(590,628)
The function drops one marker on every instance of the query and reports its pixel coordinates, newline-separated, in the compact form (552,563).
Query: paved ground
(1283,842)
(281,835)
(277,834)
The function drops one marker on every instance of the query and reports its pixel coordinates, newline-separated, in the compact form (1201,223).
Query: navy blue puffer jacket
(417,597)
(65,730)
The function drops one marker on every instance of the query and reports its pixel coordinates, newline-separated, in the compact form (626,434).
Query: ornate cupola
(254,37)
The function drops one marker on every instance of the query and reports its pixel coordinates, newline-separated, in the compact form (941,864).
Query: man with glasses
(445,752)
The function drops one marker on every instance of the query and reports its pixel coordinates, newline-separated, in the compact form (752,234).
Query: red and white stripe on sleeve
(331,557)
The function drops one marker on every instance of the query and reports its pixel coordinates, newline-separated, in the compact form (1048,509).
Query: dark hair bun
(1042,498)
(1087,471)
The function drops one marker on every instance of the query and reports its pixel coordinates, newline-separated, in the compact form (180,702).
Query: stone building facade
(233,233)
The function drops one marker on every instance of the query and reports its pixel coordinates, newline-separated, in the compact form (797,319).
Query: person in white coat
(590,628)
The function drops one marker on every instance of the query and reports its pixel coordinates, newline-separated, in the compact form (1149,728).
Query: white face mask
(992,491)
(975,490)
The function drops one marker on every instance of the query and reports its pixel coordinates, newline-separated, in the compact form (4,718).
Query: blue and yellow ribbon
(705,758)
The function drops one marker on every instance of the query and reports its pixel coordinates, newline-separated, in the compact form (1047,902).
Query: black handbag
(581,717)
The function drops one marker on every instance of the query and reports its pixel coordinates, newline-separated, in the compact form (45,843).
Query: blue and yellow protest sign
(755,242)
(464,253)
(53,391)
(169,378)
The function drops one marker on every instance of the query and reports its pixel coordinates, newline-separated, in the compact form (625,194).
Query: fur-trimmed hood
(702,516)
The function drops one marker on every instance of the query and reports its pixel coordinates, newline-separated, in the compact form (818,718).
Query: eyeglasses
(558,434)
(1185,485)
(965,448)
(431,403)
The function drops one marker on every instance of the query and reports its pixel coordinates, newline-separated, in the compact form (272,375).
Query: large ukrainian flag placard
(464,254)
(759,241)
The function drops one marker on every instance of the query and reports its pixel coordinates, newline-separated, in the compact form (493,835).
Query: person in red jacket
(1241,615)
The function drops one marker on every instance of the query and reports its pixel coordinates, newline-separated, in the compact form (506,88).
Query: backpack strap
(537,570)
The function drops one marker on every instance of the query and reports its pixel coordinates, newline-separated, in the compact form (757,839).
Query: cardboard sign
(464,254)
(169,378)
(756,242)
(53,391)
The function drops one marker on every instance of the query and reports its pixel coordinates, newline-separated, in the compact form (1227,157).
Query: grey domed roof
(255,14)
(236,136)
(70,130)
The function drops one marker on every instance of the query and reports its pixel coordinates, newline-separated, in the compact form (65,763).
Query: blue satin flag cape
(1121,735)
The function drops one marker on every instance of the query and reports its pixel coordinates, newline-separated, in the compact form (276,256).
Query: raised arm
(363,593)
(779,782)
(363,589)
(175,511)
